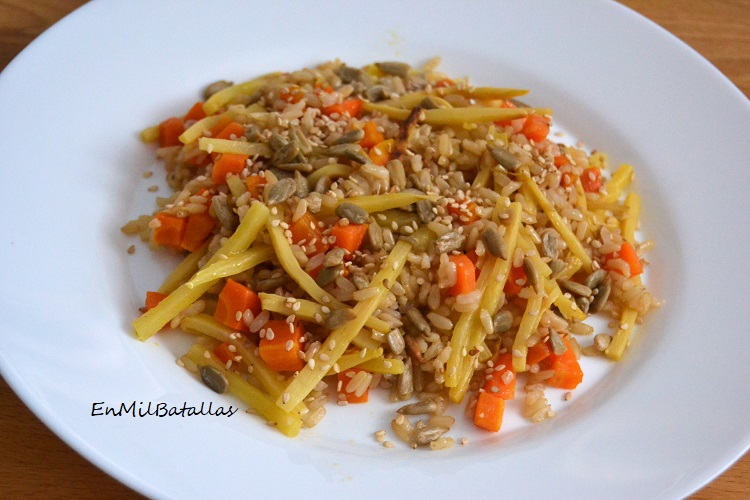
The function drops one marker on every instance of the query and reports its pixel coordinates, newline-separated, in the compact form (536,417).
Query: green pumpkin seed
(281,191)
(505,158)
(354,135)
(394,68)
(575,288)
(494,243)
(214,379)
(602,294)
(354,213)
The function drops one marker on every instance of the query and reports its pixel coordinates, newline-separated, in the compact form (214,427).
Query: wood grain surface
(35,463)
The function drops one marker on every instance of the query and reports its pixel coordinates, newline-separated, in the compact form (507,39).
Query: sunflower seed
(602,294)
(405,386)
(502,322)
(281,191)
(285,154)
(427,434)
(494,243)
(426,407)
(594,279)
(557,266)
(424,211)
(327,275)
(354,135)
(227,218)
(270,284)
(549,244)
(323,184)
(334,257)
(276,142)
(348,74)
(252,133)
(394,68)
(584,304)
(416,317)
(216,87)
(449,241)
(339,317)
(505,158)
(575,288)
(295,167)
(428,103)
(558,346)
(304,144)
(532,274)
(214,379)
(376,93)
(303,189)
(354,213)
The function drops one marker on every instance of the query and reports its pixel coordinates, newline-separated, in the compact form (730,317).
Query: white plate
(660,424)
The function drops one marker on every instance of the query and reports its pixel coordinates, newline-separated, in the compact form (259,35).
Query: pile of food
(351,230)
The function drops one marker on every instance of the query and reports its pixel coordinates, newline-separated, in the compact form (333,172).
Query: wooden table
(35,463)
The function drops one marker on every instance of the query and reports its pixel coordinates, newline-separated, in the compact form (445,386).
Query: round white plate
(659,424)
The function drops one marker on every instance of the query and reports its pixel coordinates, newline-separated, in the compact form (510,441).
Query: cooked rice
(445,161)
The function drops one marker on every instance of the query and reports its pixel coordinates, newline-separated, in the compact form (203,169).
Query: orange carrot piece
(630,256)
(344,378)
(170,131)
(153,299)
(234,300)
(227,163)
(537,353)
(281,344)
(535,128)
(496,385)
(255,185)
(568,373)
(488,413)
(466,277)
(381,152)
(351,107)
(516,280)
(306,229)
(223,353)
(372,136)
(349,237)
(170,230)
(561,160)
(591,180)
(195,113)
(233,129)
(291,93)
(223,122)
(505,105)
(444,82)
(197,230)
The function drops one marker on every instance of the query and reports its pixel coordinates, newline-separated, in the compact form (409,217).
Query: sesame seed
(289,345)
(285,398)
